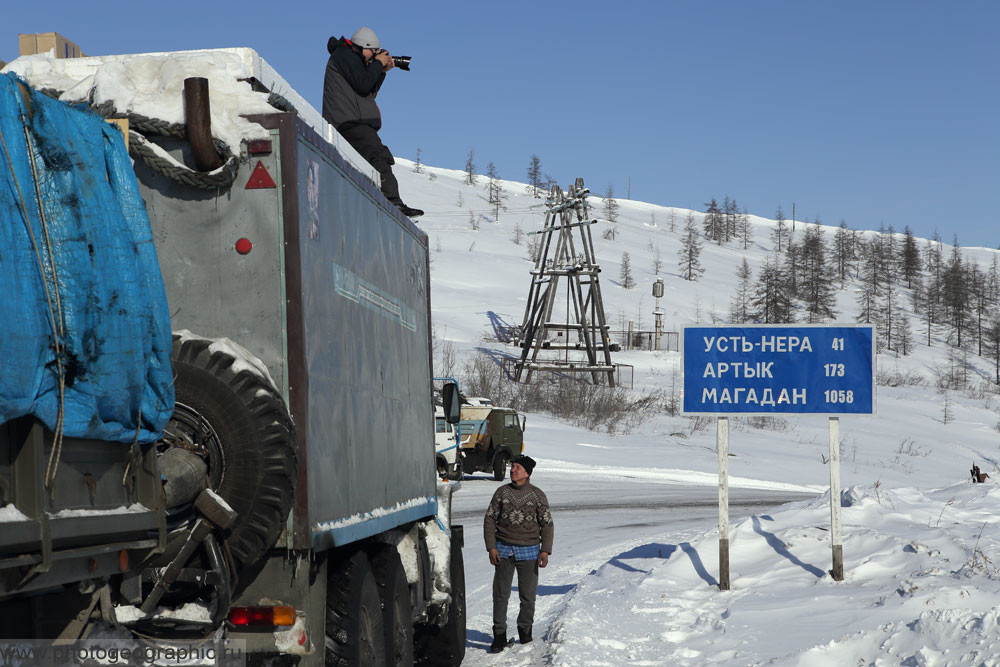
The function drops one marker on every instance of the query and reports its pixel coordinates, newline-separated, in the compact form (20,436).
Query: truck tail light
(259,147)
(262,616)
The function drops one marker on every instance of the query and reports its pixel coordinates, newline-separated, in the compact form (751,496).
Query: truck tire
(445,646)
(500,466)
(234,418)
(355,635)
(397,617)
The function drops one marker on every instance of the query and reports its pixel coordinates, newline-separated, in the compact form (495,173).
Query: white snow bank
(134,508)
(355,519)
(672,476)
(11,513)
(152,85)
(920,581)
(195,612)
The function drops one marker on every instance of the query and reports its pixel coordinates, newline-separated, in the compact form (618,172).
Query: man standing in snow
(354,74)
(518,530)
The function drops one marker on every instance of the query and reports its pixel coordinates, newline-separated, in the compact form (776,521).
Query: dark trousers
(527,585)
(366,141)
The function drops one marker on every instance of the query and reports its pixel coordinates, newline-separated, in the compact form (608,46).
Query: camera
(402,62)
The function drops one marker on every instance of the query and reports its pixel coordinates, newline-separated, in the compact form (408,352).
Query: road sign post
(722,445)
(778,369)
(835,528)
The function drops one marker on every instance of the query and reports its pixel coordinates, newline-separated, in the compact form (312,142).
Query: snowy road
(599,520)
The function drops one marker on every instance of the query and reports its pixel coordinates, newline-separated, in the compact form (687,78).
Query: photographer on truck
(354,74)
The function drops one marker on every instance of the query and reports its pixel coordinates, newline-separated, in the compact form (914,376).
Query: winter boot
(499,643)
(407,210)
(411,212)
(524,635)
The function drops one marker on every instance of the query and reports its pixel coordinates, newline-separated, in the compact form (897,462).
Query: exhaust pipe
(198,116)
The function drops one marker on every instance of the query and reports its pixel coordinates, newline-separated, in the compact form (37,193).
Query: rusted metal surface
(198,117)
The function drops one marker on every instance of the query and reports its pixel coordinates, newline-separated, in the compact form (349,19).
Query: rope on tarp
(58,331)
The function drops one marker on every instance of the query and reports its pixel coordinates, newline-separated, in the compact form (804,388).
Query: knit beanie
(526,462)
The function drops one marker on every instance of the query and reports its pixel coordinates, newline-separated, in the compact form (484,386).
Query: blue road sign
(775,369)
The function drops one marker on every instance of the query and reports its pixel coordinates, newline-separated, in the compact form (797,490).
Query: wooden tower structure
(566,258)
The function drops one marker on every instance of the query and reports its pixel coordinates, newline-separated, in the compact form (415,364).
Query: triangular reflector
(260,179)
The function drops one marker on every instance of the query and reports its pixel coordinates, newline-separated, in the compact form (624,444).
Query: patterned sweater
(519,515)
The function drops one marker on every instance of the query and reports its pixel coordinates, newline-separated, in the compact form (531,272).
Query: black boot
(406,210)
(499,643)
(411,212)
(524,635)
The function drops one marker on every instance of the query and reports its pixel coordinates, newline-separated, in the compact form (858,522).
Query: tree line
(898,283)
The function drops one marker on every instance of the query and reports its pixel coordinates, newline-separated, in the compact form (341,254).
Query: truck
(491,437)
(446,434)
(262,511)
(446,443)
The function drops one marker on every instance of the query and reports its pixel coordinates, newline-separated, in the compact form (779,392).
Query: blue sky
(871,112)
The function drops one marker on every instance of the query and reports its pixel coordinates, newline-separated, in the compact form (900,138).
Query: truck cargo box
(318,297)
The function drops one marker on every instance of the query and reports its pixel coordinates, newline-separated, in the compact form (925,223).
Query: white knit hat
(365,38)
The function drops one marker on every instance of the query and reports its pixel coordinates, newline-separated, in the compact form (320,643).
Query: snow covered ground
(922,582)
(633,580)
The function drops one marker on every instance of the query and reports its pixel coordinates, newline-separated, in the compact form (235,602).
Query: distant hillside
(914,291)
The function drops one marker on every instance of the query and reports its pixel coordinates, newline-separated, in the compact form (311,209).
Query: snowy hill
(921,585)
(923,435)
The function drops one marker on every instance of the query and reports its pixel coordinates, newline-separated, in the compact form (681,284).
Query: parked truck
(266,509)
(491,438)
(446,435)
(446,438)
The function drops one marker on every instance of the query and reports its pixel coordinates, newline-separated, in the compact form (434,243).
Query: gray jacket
(350,86)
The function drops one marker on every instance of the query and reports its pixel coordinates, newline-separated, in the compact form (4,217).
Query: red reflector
(239,616)
(251,616)
(260,179)
(244,246)
(259,147)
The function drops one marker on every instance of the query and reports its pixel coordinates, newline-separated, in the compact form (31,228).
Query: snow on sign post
(778,369)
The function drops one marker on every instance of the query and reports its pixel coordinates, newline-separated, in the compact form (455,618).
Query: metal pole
(658,292)
(835,526)
(198,118)
(722,444)
(659,323)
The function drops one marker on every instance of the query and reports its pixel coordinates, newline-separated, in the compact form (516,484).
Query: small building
(45,42)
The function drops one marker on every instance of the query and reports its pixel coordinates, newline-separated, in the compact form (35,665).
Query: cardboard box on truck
(43,42)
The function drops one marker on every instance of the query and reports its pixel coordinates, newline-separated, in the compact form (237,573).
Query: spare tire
(232,416)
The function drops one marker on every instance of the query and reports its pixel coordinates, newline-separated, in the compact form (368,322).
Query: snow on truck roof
(152,84)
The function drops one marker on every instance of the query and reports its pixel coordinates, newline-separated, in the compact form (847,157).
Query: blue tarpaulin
(78,275)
